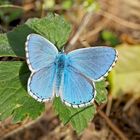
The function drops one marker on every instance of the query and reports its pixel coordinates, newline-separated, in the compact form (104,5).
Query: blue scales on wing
(77,90)
(40,52)
(41,55)
(93,62)
(41,84)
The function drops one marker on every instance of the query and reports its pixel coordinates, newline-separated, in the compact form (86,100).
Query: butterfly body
(60,63)
(70,76)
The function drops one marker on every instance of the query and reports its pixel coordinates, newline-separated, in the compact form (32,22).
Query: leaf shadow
(17,39)
(24,74)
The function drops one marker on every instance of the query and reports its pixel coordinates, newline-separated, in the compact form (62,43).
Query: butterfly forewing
(93,62)
(39,52)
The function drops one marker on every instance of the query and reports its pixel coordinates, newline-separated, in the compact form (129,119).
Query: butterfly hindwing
(40,52)
(76,90)
(41,84)
(95,62)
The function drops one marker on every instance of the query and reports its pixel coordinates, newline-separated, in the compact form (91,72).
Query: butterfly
(70,76)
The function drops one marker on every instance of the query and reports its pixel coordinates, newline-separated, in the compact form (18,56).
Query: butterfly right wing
(76,90)
(94,62)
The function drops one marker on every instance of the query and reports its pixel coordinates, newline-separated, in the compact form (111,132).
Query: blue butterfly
(71,76)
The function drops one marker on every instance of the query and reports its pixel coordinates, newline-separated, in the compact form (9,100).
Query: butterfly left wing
(95,62)
(40,52)
(40,55)
(76,90)
(41,84)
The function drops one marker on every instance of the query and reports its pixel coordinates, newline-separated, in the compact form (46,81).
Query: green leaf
(13,43)
(78,118)
(101,95)
(53,27)
(5,48)
(127,71)
(14,100)
(16,40)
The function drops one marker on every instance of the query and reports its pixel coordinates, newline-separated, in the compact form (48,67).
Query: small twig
(96,30)
(129,103)
(109,105)
(112,126)
(11,6)
(42,9)
(100,107)
(82,26)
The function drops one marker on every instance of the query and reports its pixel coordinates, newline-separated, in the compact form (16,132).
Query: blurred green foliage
(88,5)
(126,74)
(4,2)
(48,4)
(91,5)
(9,13)
(67,4)
(110,38)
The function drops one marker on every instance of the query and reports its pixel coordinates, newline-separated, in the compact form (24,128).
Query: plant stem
(82,26)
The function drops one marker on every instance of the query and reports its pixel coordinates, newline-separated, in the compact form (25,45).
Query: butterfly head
(61,60)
